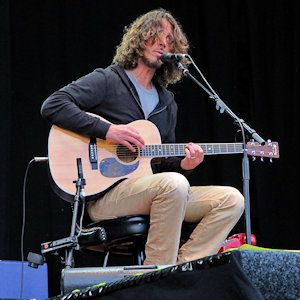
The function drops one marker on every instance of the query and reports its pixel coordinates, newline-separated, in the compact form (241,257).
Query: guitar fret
(217,149)
(152,150)
(204,148)
(181,149)
(224,148)
(209,148)
(159,150)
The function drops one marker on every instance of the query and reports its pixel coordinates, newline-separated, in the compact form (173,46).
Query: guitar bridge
(93,153)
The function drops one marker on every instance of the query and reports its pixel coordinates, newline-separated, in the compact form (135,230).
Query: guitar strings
(172,150)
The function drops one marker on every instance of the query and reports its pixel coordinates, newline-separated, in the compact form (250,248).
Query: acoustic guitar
(104,163)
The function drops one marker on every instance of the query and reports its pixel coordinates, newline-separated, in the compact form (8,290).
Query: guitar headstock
(269,149)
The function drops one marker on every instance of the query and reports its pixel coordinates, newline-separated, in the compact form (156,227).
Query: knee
(174,189)
(236,200)
(176,183)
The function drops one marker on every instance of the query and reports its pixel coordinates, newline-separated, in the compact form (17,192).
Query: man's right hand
(125,135)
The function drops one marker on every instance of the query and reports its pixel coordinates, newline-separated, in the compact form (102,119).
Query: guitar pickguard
(110,167)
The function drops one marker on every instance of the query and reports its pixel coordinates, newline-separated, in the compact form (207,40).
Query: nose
(162,40)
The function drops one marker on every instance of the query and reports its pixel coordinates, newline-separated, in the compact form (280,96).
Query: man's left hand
(193,157)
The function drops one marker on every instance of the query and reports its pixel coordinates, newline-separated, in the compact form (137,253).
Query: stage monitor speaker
(214,277)
(35,281)
(78,278)
(239,274)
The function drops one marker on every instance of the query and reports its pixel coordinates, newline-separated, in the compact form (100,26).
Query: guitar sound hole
(125,155)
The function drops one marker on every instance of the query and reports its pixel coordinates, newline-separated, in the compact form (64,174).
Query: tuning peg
(253,158)
(262,159)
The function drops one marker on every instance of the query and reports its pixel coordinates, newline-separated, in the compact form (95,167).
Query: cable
(35,159)
(79,227)
(23,227)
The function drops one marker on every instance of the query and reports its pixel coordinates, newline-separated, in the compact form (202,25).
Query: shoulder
(99,73)
(98,76)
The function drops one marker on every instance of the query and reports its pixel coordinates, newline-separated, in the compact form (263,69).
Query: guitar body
(65,146)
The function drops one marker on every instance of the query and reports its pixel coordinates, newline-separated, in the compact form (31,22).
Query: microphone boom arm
(221,106)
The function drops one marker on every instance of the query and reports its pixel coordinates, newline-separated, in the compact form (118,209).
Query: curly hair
(139,32)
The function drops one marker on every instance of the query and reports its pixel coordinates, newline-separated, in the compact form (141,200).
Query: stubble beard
(152,64)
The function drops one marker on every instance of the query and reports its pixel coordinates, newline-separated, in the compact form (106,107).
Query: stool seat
(123,235)
(107,231)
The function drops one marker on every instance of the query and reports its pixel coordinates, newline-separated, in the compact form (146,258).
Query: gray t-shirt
(148,98)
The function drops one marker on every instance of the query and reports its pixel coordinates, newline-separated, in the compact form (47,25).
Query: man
(134,88)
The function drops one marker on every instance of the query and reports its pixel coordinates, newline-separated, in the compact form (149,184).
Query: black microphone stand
(220,105)
(79,196)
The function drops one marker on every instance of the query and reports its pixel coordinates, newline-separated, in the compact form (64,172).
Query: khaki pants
(169,199)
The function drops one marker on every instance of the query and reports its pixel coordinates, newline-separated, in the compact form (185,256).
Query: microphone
(81,180)
(79,168)
(172,57)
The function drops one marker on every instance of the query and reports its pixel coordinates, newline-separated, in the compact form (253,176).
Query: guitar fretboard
(166,150)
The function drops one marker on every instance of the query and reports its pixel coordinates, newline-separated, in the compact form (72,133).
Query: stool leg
(140,255)
(106,258)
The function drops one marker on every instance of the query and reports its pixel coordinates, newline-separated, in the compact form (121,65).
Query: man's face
(161,44)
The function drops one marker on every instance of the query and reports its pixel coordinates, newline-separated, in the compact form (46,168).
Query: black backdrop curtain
(249,52)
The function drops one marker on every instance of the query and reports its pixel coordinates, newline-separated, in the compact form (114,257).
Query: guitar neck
(167,150)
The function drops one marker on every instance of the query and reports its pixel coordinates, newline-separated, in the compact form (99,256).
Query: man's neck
(143,75)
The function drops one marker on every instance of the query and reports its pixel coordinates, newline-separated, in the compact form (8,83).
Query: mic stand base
(246,180)
(69,251)
(68,243)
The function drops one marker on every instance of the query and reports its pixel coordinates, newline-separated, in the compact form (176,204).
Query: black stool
(123,235)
